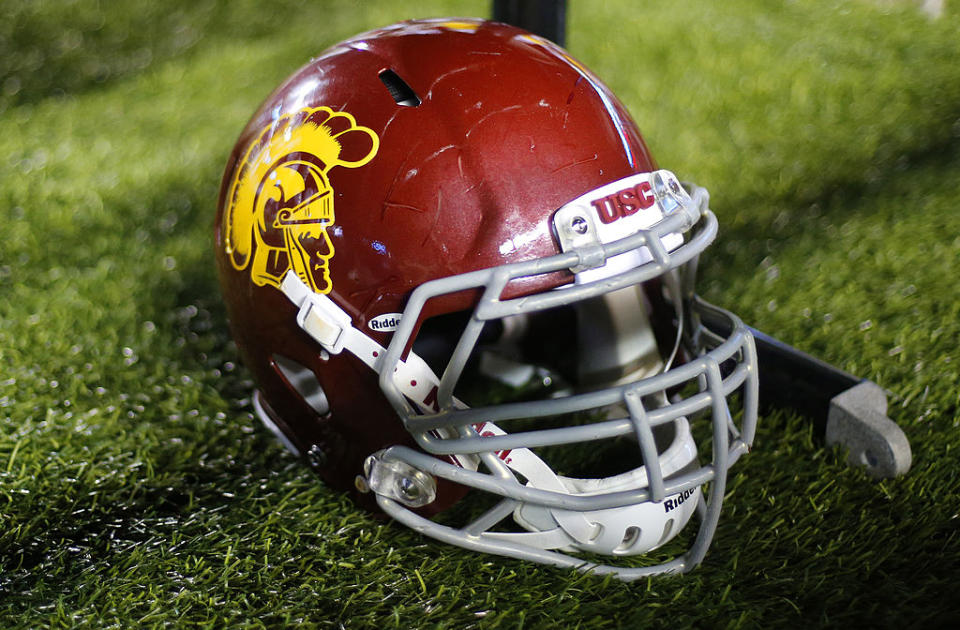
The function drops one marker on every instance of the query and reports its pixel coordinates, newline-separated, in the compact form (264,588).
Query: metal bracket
(858,420)
(847,410)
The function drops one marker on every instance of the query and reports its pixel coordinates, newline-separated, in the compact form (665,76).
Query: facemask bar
(451,429)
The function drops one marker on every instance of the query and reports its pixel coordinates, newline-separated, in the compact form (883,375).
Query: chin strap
(563,527)
(333,329)
(628,530)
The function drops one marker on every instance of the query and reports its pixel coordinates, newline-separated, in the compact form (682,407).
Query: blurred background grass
(137,489)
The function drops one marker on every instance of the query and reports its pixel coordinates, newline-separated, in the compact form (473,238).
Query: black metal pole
(547,18)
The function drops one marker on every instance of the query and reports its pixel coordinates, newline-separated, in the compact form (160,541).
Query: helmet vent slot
(667,532)
(400,90)
(631,536)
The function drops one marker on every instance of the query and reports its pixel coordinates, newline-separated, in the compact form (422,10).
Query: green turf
(136,488)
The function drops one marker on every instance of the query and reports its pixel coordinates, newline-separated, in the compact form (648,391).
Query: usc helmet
(458,277)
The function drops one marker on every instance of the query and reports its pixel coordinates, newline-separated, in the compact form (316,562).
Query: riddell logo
(678,499)
(387,322)
(624,202)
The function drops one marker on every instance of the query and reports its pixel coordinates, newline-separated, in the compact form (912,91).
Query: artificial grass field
(137,489)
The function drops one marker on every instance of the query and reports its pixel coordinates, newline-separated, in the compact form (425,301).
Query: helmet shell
(413,152)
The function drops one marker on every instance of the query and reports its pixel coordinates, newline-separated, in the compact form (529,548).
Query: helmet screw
(360,482)
(316,457)
(579,225)
(409,489)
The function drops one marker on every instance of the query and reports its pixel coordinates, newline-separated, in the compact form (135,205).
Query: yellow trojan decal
(280,203)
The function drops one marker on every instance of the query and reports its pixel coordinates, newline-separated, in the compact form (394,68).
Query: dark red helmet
(443,202)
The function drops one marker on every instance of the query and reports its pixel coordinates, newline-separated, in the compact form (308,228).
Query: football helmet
(459,278)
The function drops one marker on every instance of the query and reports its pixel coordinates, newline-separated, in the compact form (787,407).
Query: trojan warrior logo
(280,203)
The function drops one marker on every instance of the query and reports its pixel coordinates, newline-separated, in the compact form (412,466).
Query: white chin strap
(627,530)
(623,531)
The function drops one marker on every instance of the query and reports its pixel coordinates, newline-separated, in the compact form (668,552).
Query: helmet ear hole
(303,381)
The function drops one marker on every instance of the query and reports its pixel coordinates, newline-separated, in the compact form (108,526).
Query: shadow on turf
(54,48)
(781,220)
